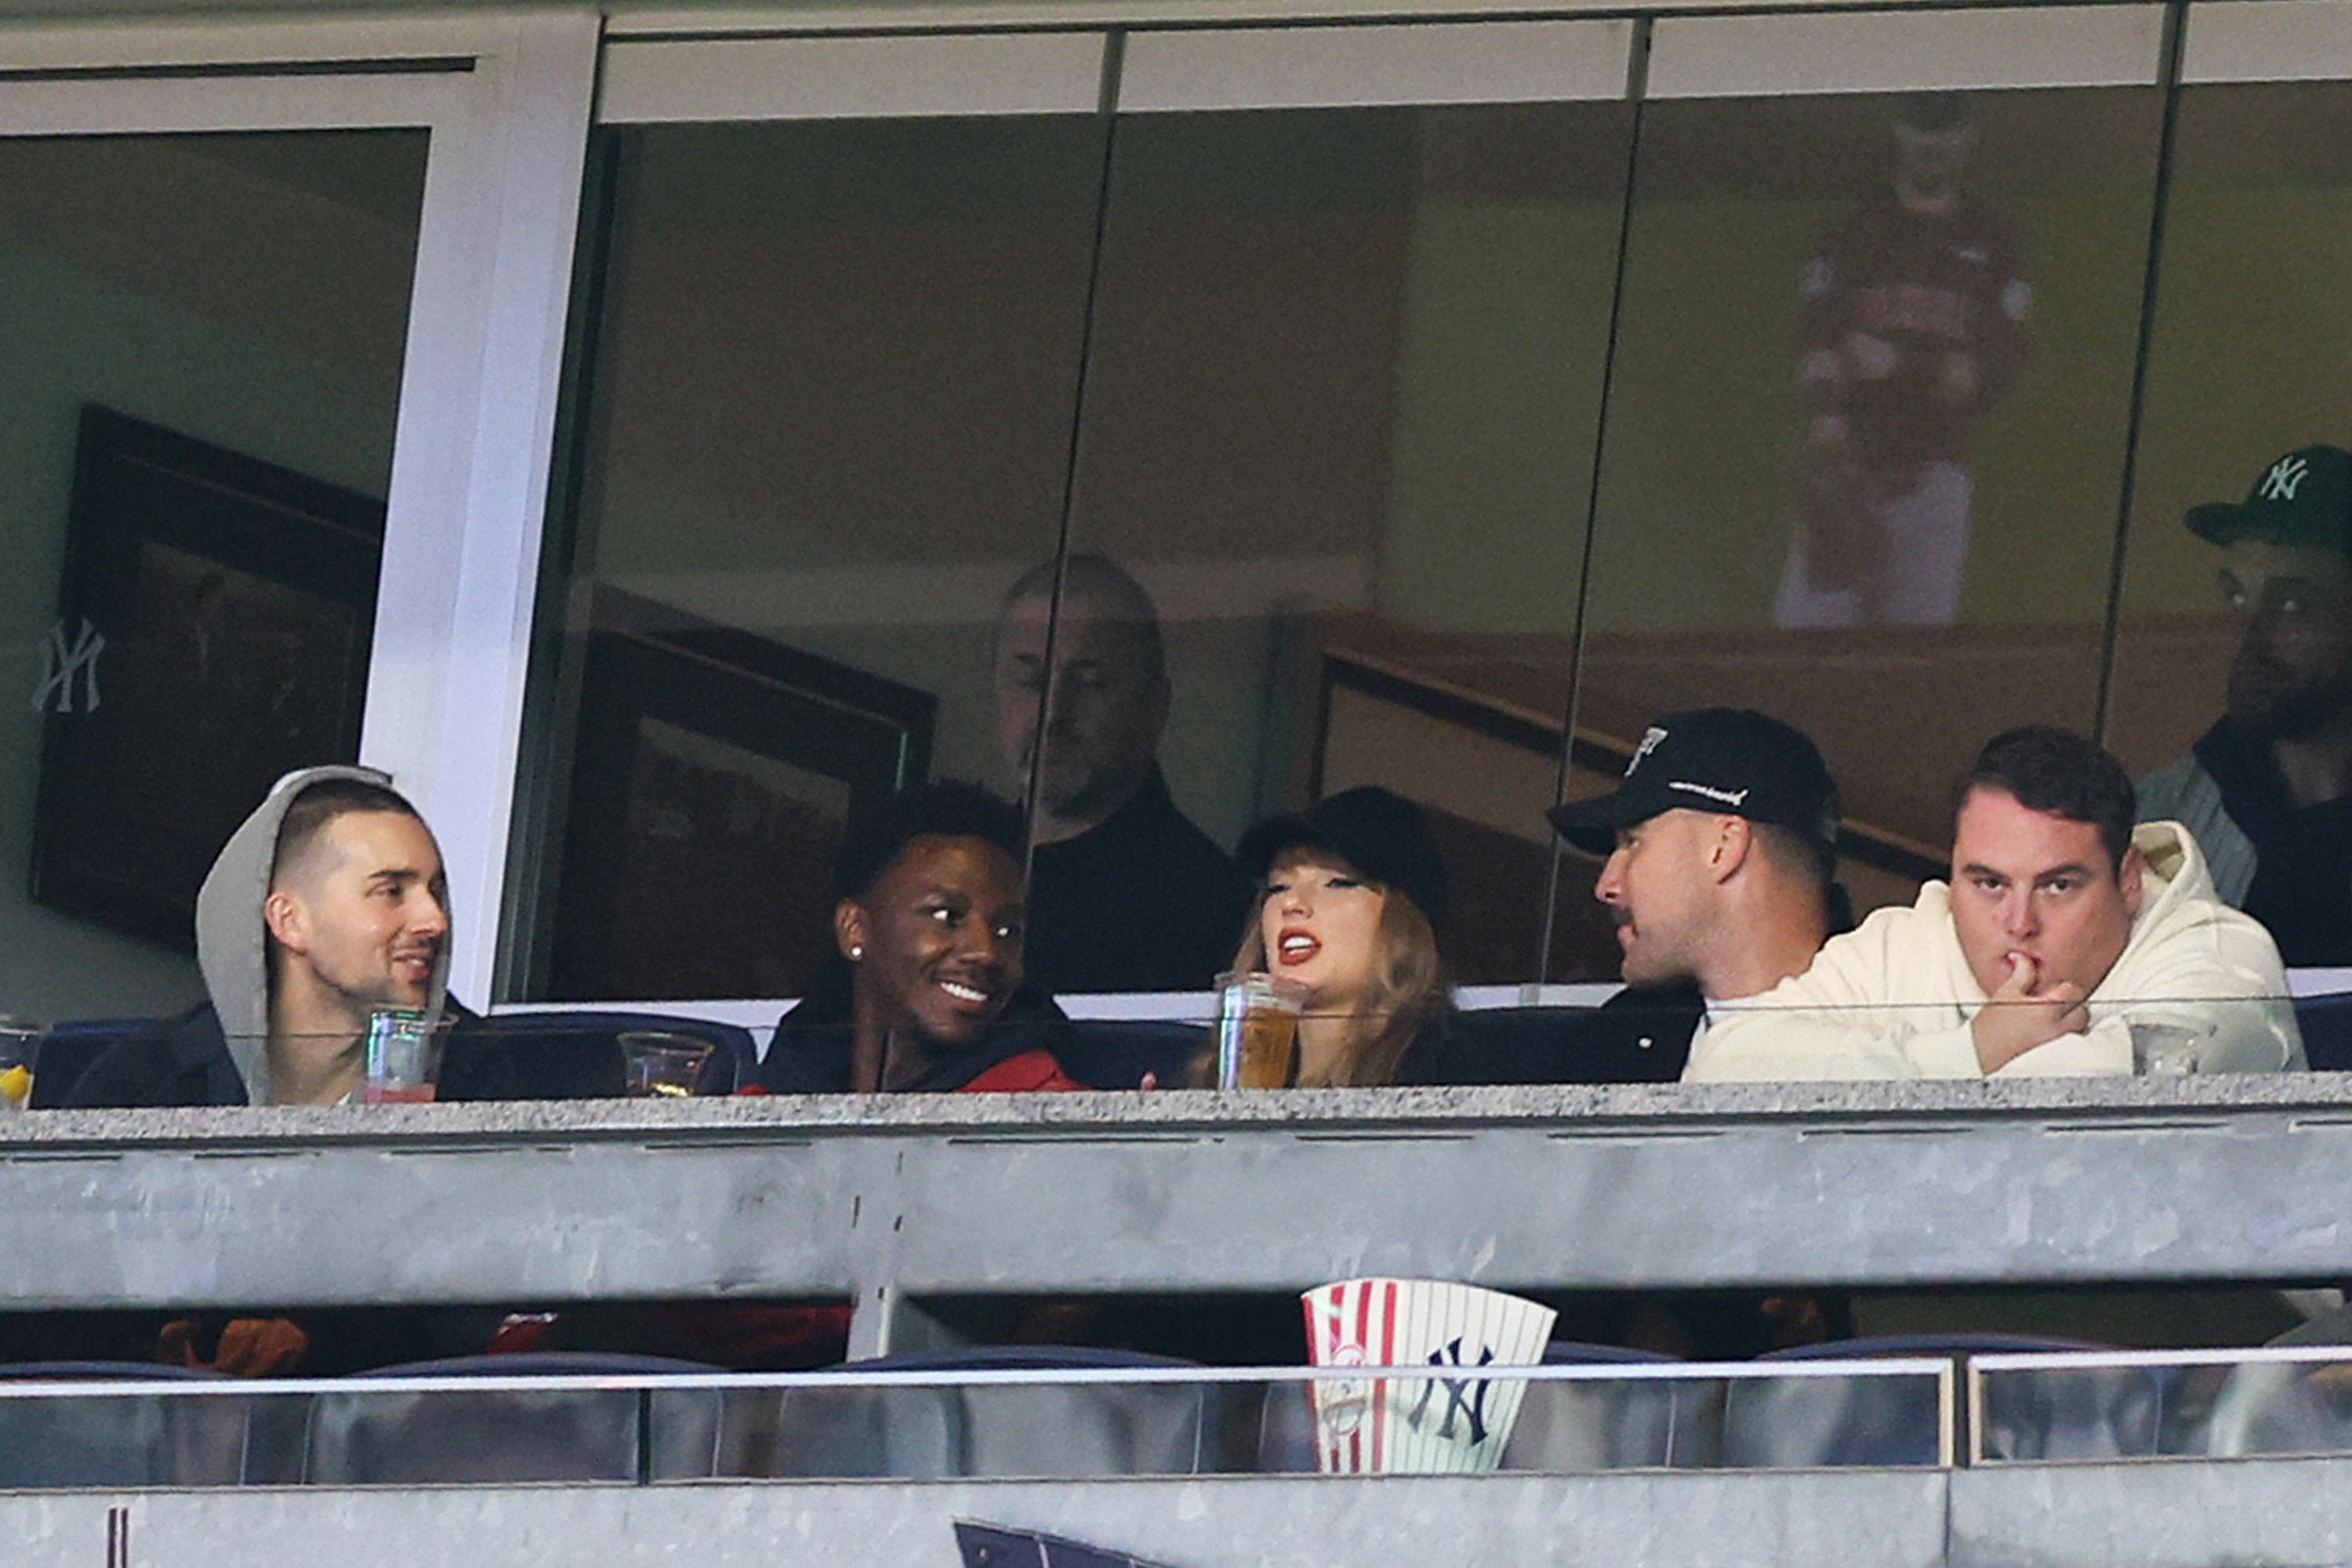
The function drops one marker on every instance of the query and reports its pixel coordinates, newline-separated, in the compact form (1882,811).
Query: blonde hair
(1409,985)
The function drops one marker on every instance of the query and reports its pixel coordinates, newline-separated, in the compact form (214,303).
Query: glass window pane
(1339,423)
(2250,359)
(831,382)
(1867,430)
(206,337)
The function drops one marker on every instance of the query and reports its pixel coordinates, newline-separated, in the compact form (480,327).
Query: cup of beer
(20,1044)
(1257,1030)
(403,1055)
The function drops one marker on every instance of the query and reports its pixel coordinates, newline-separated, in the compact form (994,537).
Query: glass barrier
(1023,1413)
(830,375)
(1007,1415)
(2233,634)
(1183,1041)
(2287,1399)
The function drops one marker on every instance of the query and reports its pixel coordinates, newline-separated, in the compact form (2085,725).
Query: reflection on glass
(1915,306)
(2232,682)
(1339,425)
(827,424)
(206,341)
(1827,438)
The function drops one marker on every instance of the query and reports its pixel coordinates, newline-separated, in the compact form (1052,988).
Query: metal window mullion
(470,475)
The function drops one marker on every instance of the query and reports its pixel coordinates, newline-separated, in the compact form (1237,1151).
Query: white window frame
(1906,51)
(479,375)
(2268,40)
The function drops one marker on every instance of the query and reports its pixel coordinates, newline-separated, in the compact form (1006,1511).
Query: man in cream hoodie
(2060,928)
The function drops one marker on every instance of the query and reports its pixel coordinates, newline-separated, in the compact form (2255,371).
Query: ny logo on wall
(61,662)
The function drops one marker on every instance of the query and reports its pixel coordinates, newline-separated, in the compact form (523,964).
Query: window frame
(505,101)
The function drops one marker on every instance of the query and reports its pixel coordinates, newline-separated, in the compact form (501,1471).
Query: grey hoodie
(232,943)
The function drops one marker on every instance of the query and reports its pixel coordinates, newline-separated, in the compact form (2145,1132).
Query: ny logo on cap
(2285,478)
(1650,739)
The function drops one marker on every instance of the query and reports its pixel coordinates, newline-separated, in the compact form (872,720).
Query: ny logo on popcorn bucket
(1433,1425)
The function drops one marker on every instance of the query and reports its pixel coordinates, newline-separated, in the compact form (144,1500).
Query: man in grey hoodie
(327,903)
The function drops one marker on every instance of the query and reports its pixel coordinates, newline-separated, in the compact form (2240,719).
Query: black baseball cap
(2304,499)
(1383,834)
(1728,760)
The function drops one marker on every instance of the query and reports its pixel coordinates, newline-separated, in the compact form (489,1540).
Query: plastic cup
(19,1045)
(403,1055)
(2167,1047)
(663,1066)
(1257,1030)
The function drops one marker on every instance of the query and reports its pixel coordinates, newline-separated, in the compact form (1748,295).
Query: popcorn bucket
(1450,1423)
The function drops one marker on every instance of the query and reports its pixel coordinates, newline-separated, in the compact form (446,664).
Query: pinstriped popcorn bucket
(1449,1423)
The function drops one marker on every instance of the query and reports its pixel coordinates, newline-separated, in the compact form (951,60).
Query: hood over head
(232,943)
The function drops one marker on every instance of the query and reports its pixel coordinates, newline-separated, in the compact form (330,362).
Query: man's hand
(2021,1014)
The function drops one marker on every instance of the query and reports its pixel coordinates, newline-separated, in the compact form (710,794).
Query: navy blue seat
(947,1430)
(1115,1053)
(577,1055)
(120,1441)
(579,1428)
(1837,1421)
(1569,1045)
(69,1049)
(2327,1025)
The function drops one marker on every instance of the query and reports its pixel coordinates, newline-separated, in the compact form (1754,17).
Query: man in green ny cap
(2268,790)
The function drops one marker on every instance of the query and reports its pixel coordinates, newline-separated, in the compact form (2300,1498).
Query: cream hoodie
(1893,998)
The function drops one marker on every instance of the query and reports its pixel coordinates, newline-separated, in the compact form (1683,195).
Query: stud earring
(856,951)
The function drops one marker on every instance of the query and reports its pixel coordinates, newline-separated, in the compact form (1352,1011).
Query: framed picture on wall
(714,776)
(212,626)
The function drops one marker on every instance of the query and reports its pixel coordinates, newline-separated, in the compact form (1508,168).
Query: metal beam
(1572,1187)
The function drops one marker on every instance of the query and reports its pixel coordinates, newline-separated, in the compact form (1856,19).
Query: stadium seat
(920,1432)
(1569,1427)
(67,1051)
(1811,1422)
(1115,1053)
(2327,1025)
(557,1055)
(123,1441)
(589,1431)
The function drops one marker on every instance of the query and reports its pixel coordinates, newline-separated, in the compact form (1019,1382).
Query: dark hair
(2050,770)
(1105,580)
(321,804)
(951,808)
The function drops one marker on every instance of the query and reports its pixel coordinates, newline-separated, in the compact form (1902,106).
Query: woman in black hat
(1349,895)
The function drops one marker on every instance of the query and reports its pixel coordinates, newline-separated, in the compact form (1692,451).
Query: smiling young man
(327,903)
(2268,790)
(2062,925)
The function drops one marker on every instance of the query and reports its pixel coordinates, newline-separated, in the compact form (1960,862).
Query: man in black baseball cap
(1720,848)
(2267,791)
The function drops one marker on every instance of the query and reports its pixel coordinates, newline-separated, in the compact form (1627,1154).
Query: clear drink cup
(1257,1030)
(2167,1047)
(403,1055)
(660,1065)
